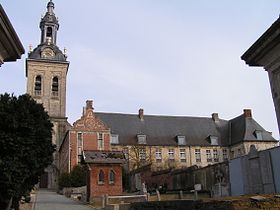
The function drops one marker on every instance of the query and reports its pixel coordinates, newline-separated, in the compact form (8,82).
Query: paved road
(48,200)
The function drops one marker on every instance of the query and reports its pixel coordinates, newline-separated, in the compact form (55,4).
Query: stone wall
(258,172)
(272,203)
(213,178)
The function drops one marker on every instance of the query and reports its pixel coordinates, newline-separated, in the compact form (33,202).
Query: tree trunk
(10,204)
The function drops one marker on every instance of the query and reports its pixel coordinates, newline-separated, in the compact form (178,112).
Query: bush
(78,176)
(64,180)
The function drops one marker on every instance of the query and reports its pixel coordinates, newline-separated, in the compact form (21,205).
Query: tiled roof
(163,130)
(243,129)
(104,157)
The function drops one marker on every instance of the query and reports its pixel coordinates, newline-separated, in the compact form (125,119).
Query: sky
(179,57)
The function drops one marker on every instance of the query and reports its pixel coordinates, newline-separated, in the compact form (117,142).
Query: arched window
(112,177)
(49,32)
(55,86)
(101,177)
(38,85)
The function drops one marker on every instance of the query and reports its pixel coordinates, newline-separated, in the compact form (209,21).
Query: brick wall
(89,143)
(97,189)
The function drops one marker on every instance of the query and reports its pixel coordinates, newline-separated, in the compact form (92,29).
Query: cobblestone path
(48,200)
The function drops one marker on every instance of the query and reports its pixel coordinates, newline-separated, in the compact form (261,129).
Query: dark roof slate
(37,53)
(243,129)
(114,157)
(163,130)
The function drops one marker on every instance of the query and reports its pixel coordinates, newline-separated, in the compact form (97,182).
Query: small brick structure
(105,173)
(88,142)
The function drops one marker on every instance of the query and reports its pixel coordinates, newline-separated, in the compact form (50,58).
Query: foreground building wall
(265,52)
(11,48)
(256,173)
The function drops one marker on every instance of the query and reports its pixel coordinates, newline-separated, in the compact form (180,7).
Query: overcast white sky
(169,57)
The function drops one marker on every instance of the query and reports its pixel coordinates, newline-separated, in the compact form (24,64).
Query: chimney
(247,113)
(89,104)
(141,114)
(215,117)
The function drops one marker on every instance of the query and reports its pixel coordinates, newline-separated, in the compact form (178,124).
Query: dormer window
(181,140)
(213,140)
(114,139)
(258,135)
(141,139)
(38,86)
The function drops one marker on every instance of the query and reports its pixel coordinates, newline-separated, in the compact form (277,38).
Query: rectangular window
(79,146)
(141,139)
(181,140)
(197,155)
(214,140)
(171,155)
(100,141)
(142,154)
(232,154)
(225,155)
(258,135)
(239,152)
(183,157)
(114,139)
(158,155)
(208,155)
(215,155)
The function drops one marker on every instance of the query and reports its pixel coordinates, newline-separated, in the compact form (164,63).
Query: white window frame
(197,154)
(215,155)
(114,139)
(225,154)
(208,156)
(181,140)
(100,140)
(183,155)
(142,139)
(258,135)
(158,154)
(80,146)
(114,175)
(214,140)
(142,154)
(171,154)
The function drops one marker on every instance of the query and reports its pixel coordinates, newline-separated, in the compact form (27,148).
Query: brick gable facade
(90,134)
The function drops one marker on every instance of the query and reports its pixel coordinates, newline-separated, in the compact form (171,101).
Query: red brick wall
(89,143)
(106,188)
(73,149)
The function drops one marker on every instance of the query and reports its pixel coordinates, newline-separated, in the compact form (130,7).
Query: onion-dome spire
(49,25)
(50,7)
(47,49)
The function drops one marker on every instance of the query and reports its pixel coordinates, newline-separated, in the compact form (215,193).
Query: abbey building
(108,142)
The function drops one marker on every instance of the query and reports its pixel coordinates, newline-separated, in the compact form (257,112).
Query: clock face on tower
(47,53)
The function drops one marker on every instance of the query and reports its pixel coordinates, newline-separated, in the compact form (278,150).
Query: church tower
(46,72)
